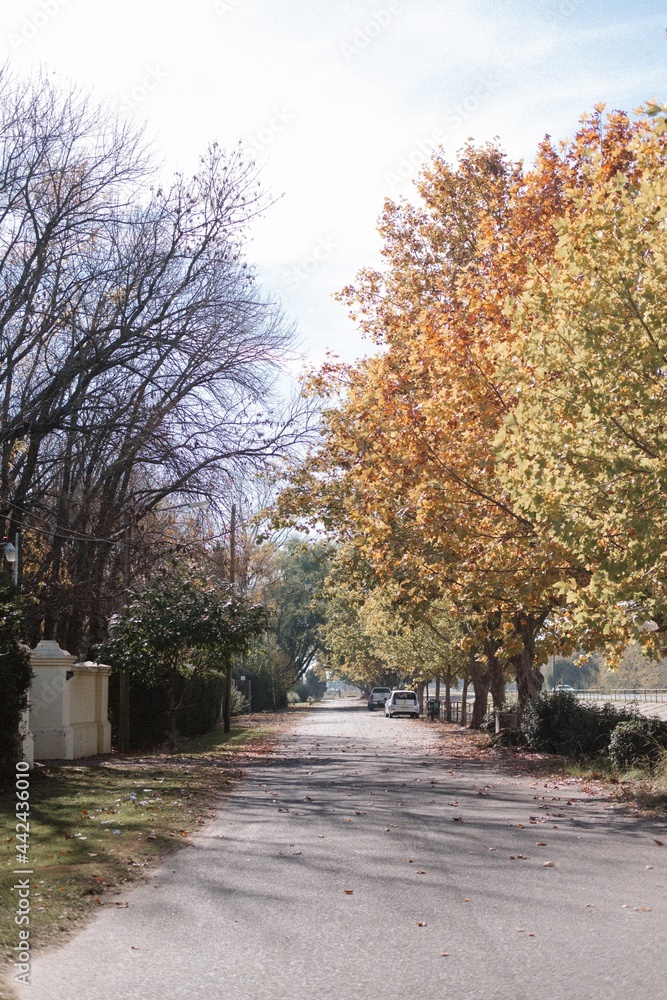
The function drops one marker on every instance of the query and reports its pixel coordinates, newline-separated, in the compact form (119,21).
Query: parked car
(401,703)
(378,697)
(564,687)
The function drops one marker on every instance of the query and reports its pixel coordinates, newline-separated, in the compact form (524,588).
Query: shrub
(15,677)
(239,702)
(640,741)
(202,705)
(559,723)
(149,716)
(301,691)
(315,685)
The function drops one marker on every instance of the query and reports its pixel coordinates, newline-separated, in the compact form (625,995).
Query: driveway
(372,858)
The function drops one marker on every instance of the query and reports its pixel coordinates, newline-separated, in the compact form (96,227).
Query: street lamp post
(12,557)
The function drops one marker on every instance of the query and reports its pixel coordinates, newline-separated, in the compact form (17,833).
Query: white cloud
(338,98)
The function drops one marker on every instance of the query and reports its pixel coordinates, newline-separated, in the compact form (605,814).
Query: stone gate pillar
(68,705)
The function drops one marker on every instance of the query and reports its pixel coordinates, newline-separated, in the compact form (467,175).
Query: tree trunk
(481,681)
(529,678)
(464,701)
(497,682)
(448,698)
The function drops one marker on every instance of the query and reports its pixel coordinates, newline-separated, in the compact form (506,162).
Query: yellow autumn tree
(406,470)
(583,451)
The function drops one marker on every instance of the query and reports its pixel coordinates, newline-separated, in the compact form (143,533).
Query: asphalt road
(346,865)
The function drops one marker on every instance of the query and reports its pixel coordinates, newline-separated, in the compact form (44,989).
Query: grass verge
(99,824)
(643,788)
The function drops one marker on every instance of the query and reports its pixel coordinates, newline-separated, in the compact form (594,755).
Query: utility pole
(227,707)
(124,678)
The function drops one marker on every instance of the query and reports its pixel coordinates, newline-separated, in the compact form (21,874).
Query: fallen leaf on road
(660,843)
(348,892)
(457,819)
(540,843)
(444,954)
(548,864)
(420,872)
(121,904)
(465,899)
(643,909)
(421,923)
(531,934)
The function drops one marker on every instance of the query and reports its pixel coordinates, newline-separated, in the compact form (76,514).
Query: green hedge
(15,677)
(199,713)
(559,723)
(640,741)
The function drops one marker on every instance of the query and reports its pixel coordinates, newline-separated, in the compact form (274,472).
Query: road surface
(369,859)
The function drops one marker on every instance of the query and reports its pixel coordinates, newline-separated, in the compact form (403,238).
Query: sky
(340,103)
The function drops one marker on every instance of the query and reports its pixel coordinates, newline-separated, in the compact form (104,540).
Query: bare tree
(139,357)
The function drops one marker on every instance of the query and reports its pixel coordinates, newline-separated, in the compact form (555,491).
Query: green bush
(239,702)
(560,723)
(149,717)
(315,686)
(15,677)
(202,705)
(640,741)
(301,691)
